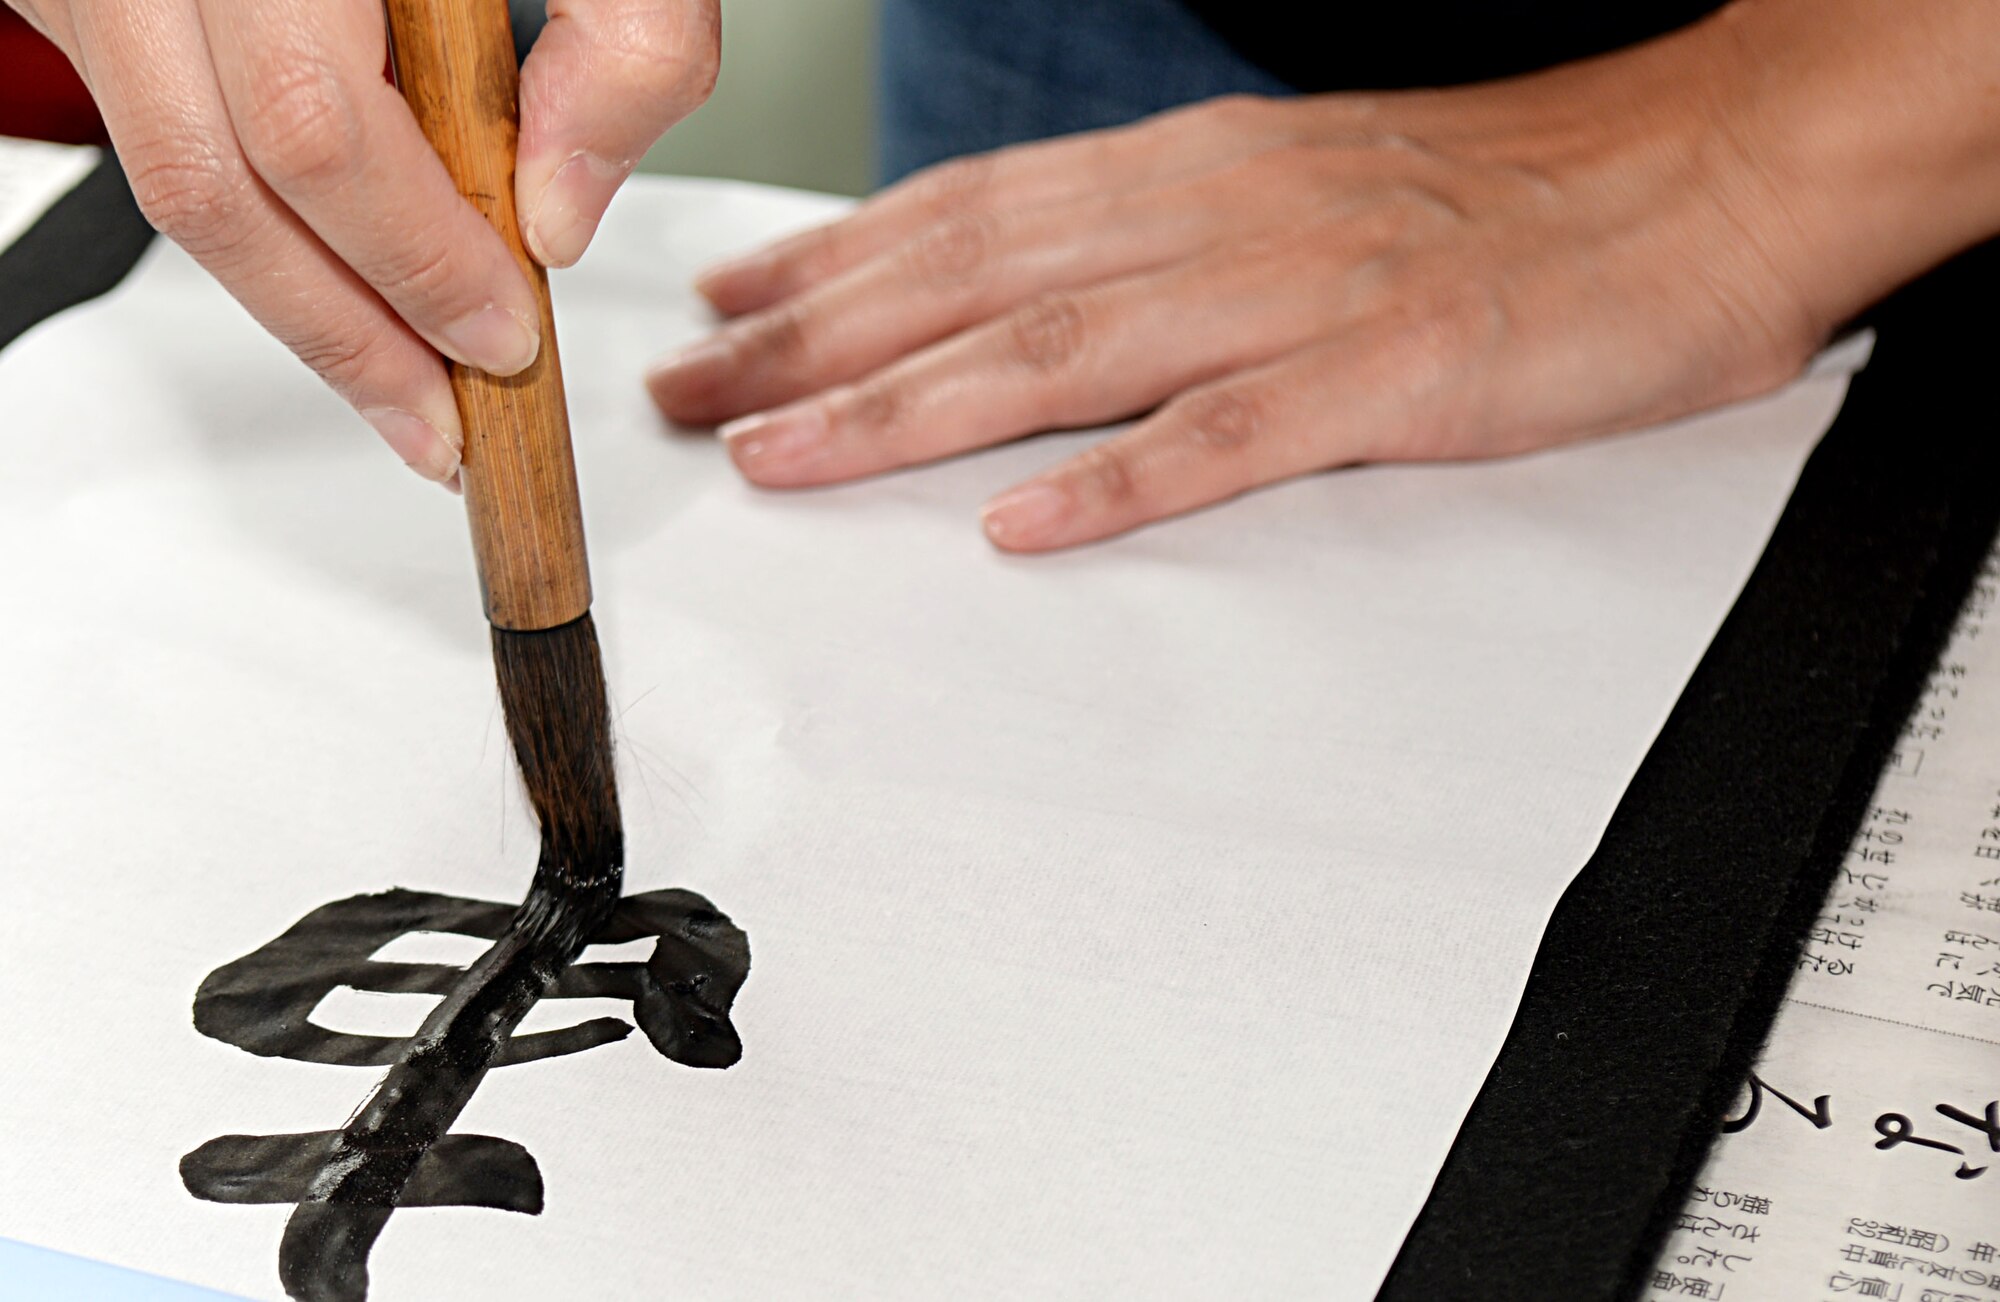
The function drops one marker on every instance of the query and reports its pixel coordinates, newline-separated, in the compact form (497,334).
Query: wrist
(1860,139)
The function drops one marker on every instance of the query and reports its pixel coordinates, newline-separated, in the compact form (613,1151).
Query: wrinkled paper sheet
(1139,921)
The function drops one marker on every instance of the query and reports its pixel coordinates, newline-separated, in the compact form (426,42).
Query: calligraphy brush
(455,64)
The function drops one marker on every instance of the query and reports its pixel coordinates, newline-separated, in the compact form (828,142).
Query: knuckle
(417,269)
(875,405)
(300,129)
(1049,334)
(1461,323)
(342,357)
(954,186)
(1443,342)
(951,252)
(189,196)
(1228,122)
(701,74)
(779,336)
(1105,475)
(1236,114)
(1223,420)
(818,254)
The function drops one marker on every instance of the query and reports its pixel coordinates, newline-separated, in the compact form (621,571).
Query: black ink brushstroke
(682,996)
(323,1256)
(260,1002)
(457,1171)
(396,1151)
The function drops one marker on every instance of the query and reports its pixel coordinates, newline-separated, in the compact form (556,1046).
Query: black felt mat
(1664,964)
(81,247)
(1665,961)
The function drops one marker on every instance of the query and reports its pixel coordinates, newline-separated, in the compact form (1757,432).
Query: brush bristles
(559,721)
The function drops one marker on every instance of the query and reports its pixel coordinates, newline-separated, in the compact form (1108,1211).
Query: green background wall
(795,101)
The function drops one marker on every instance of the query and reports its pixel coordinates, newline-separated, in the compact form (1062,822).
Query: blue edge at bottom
(31,1274)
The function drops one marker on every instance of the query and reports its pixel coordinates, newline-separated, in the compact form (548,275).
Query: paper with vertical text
(1863,1159)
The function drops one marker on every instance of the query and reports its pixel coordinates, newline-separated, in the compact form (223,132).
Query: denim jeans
(962,76)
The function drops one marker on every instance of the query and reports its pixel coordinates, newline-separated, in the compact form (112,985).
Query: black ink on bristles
(559,721)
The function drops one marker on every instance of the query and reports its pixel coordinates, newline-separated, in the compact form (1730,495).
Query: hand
(262,136)
(1290,285)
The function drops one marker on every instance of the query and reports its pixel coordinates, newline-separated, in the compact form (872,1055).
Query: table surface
(1593,1121)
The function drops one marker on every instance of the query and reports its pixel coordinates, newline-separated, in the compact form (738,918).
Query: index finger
(302,81)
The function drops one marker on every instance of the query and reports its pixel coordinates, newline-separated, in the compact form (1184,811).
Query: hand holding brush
(262,137)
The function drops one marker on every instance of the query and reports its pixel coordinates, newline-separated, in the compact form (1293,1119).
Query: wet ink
(457,1171)
(396,1151)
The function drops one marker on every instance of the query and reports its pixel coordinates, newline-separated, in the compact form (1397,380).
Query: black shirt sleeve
(1434,43)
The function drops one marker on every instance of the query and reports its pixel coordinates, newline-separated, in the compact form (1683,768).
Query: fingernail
(688,373)
(566,213)
(456,484)
(777,438)
(494,339)
(1025,515)
(418,442)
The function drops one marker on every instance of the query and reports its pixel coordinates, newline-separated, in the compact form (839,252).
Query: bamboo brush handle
(455,64)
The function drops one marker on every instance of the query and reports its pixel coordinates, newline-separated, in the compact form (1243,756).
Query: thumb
(605,80)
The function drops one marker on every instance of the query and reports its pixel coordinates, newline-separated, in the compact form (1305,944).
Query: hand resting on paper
(262,136)
(1280,286)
